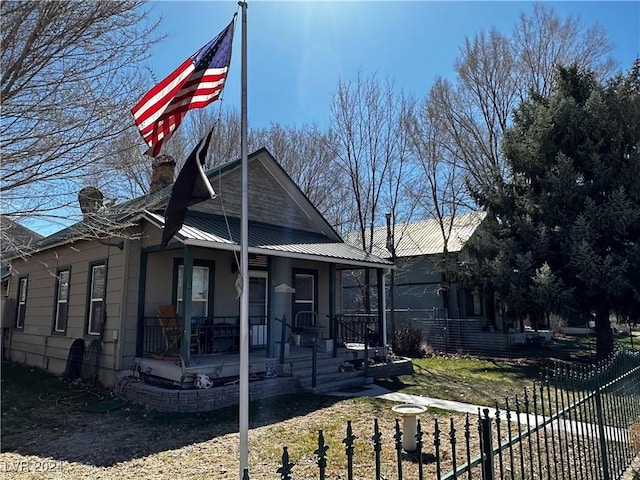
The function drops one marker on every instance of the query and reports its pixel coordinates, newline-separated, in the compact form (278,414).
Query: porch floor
(225,368)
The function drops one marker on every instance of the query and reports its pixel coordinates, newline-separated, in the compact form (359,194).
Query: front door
(305,298)
(258,308)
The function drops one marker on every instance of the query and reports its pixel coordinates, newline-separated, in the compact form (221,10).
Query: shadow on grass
(394,384)
(34,422)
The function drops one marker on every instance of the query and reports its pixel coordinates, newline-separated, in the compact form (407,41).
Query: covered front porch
(295,281)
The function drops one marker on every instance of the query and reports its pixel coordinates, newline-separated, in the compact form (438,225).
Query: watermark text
(31,466)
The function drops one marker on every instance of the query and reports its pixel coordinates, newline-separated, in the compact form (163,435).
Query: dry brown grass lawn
(99,446)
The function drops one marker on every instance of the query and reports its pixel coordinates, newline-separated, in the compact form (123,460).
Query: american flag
(194,84)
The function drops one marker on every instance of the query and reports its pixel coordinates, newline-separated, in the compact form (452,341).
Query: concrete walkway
(373,390)
(573,427)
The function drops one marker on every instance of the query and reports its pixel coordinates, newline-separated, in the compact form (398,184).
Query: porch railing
(357,328)
(360,328)
(210,335)
(286,327)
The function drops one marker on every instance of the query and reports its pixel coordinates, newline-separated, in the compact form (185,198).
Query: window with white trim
(61,306)
(199,291)
(22,302)
(96,298)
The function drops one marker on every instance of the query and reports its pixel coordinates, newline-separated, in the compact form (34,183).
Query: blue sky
(297,51)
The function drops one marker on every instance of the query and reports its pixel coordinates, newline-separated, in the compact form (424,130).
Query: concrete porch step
(327,375)
(339,384)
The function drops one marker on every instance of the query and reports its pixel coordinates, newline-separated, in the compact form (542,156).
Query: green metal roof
(215,232)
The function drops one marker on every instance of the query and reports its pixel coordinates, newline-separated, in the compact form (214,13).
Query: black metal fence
(577,423)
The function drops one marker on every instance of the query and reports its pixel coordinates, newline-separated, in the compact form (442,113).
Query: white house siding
(37,344)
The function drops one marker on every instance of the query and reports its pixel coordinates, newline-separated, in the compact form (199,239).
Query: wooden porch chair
(171,326)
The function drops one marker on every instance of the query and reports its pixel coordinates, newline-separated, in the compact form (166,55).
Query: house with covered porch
(168,314)
(422,292)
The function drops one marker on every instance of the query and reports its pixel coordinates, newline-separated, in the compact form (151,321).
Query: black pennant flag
(192,186)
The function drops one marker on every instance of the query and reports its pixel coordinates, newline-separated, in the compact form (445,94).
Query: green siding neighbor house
(103,280)
(420,288)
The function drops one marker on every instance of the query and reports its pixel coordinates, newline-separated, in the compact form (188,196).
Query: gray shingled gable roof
(16,237)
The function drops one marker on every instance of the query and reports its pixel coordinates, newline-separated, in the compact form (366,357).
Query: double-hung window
(96,298)
(61,305)
(22,302)
(199,292)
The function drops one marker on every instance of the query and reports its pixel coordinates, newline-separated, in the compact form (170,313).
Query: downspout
(391,247)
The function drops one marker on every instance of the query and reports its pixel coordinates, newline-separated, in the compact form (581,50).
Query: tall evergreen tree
(564,234)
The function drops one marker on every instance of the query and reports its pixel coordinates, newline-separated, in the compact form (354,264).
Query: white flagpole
(244,262)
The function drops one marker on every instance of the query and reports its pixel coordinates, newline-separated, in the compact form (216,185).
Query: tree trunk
(604,334)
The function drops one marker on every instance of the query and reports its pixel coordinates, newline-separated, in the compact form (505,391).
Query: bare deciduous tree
(70,71)
(367,127)
(442,194)
(542,41)
(496,72)
(370,145)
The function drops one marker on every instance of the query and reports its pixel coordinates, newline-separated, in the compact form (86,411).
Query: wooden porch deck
(225,368)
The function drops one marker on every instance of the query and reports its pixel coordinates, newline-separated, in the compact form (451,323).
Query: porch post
(332,306)
(187,289)
(270,351)
(384,309)
(142,286)
(382,304)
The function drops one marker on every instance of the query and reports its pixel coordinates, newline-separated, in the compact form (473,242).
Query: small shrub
(407,342)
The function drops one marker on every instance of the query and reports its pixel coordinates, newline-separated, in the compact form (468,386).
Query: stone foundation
(203,400)
(391,369)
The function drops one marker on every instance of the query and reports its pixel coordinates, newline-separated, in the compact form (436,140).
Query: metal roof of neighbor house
(215,232)
(425,237)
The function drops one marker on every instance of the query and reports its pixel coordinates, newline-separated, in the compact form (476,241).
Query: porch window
(199,293)
(22,302)
(96,298)
(61,309)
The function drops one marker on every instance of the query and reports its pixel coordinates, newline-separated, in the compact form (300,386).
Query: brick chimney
(91,200)
(161,172)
